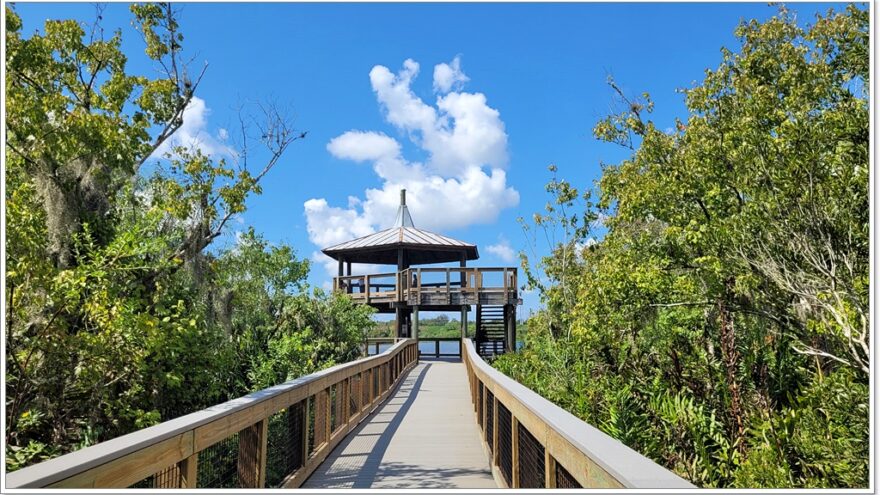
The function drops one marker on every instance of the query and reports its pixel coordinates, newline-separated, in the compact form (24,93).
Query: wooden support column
(348,268)
(478,323)
(464,322)
(415,333)
(399,320)
(510,326)
(340,267)
(463,264)
(322,417)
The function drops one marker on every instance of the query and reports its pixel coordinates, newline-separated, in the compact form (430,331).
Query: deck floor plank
(424,436)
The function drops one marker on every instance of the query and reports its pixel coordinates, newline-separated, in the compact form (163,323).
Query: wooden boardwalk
(424,436)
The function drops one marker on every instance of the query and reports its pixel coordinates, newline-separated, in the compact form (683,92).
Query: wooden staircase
(491,337)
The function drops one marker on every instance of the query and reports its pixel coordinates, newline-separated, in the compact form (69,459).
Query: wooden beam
(416,323)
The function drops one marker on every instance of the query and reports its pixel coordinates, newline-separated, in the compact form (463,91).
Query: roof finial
(403,218)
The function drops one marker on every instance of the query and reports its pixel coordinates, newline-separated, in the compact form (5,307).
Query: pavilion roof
(420,246)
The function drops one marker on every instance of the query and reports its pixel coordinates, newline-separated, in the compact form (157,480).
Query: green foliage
(119,316)
(720,326)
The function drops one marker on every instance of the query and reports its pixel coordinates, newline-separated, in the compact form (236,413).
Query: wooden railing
(451,285)
(533,443)
(436,350)
(433,286)
(377,287)
(272,438)
(373,343)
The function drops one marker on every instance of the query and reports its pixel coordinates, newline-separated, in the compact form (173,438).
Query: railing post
(437,348)
(322,417)
(549,470)
(514,454)
(189,469)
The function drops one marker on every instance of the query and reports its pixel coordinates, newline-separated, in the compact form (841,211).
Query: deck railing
(533,443)
(372,346)
(434,286)
(272,438)
(377,287)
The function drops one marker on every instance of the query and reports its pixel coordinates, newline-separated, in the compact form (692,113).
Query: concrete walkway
(424,436)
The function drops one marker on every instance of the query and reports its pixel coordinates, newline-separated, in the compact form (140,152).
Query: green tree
(721,323)
(109,325)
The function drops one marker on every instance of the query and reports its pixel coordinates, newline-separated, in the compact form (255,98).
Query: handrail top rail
(67,465)
(365,275)
(629,467)
(461,268)
(433,269)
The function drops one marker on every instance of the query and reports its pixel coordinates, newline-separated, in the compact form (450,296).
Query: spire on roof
(403,217)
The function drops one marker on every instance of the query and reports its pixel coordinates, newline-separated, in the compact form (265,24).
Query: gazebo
(413,287)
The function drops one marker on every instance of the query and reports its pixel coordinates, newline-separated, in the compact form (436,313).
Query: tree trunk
(730,357)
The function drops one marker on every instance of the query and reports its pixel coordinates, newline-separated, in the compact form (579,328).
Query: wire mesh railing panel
(480,404)
(365,387)
(505,444)
(564,479)
(490,418)
(217,465)
(354,395)
(334,397)
(311,406)
(284,450)
(375,382)
(249,443)
(144,483)
(531,459)
(166,478)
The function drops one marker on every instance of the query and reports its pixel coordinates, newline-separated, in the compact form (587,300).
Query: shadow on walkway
(333,474)
(370,468)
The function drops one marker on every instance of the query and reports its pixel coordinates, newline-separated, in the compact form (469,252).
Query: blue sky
(541,70)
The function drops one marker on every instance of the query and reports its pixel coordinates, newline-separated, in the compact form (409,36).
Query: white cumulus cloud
(461,182)
(194,134)
(503,251)
(447,76)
